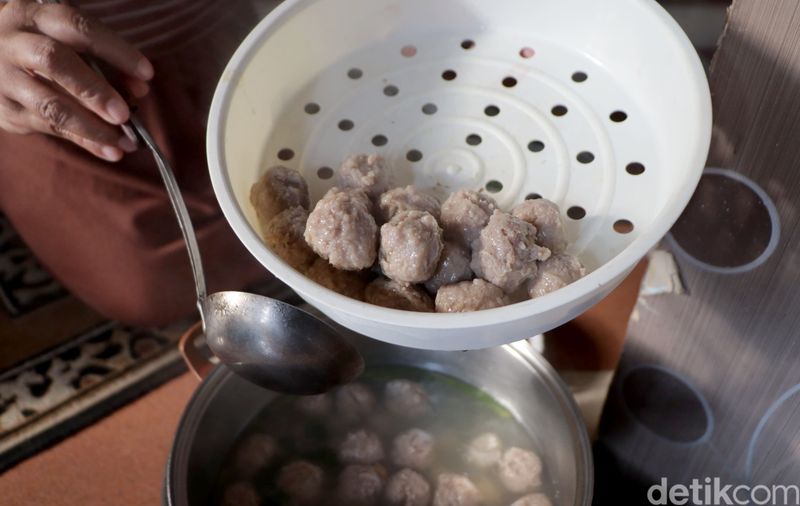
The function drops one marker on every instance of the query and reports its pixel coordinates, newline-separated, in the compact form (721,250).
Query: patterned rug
(80,368)
(24,284)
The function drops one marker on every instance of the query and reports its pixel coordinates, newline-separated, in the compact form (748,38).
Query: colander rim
(599,278)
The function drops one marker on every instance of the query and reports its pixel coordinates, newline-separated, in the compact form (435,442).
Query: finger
(10,107)
(84,34)
(137,87)
(11,117)
(52,111)
(100,150)
(60,64)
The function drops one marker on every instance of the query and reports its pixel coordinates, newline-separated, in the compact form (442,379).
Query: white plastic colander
(601,106)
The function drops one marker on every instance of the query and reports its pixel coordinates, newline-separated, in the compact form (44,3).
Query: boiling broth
(460,412)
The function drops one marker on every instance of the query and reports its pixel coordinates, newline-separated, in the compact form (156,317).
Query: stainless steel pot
(515,375)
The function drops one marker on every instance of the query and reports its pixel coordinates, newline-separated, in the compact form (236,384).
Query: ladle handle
(174,192)
(179,206)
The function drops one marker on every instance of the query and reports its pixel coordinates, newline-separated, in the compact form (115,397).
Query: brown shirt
(161,26)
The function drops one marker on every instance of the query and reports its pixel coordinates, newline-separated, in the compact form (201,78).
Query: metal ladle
(266,341)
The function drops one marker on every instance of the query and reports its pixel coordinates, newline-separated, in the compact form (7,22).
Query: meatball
(545,216)
(469,296)
(556,272)
(365,172)
(241,494)
(301,480)
(361,447)
(413,448)
(520,470)
(408,488)
(348,283)
(361,484)
(406,199)
(354,401)
(464,214)
(533,500)
(341,230)
(455,490)
(505,253)
(394,295)
(406,398)
(453,267)
(411,244)
(485,450)
(314,405)
(284,236)
(254,453)
(278,189)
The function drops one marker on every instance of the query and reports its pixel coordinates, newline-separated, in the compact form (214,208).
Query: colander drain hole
(346,125)
(408,51)
(355,73)
(325,173)
(449,75)
(634,168)
(391,90)
(379,140)
(467,44)
(585,157)
(414,155)
(535,146)
(559,110)
(579,77)
(312,108)
(429,109)
(474,139)
(494,186)
(491,110)
(285,154)
(527,52)
(576,213)
(532,196)
(618,116)
(509,82)
(623,226)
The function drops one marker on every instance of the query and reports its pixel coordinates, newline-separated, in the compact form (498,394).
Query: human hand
(46,87)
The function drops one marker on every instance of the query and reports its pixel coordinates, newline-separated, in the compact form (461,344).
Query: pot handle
(195,359)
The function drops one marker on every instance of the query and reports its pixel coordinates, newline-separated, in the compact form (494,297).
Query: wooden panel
(593,341)
(725,356)
(28,335)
